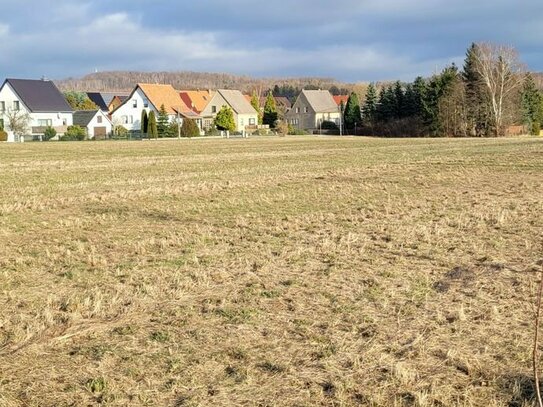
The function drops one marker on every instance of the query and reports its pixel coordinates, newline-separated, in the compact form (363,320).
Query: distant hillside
(125,81)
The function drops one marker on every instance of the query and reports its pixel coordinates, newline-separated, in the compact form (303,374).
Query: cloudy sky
(351,40)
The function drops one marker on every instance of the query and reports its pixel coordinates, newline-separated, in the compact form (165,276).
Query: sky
(349,40)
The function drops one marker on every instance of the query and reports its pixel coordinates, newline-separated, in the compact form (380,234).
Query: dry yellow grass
(269,272)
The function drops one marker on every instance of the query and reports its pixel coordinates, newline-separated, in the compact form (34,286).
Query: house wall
(129,116)
(94,123)
(300,118)
(38,121)
(217,102)
(308,120)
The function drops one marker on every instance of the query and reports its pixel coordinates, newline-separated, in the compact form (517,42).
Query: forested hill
(125,81)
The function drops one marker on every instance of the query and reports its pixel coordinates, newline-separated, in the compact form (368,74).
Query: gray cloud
(352,40)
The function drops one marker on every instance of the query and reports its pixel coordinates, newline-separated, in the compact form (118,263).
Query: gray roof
(103,99)
(82,118)
(237,101)
(321,101)
(39,95)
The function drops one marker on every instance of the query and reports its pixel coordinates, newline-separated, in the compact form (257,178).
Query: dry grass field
(269,272)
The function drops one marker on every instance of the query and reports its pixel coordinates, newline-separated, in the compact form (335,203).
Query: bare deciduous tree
(502,75)
(18,122)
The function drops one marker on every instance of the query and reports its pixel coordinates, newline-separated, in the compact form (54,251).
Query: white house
(150,97)
(95,122)
(40,99)
(245,115)
(312,108)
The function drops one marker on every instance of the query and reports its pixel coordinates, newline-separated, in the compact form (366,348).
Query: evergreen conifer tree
(144,122)
(152,129)
(369,109)
(163,122)
(352,115)
(270,111)
(532,105)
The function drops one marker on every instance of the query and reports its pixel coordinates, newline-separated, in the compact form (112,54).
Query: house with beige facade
(312,108)
(245,116)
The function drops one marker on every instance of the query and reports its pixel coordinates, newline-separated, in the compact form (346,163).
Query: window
(252,122)
(297,110)
(99,119)
(213,109)
(135,103)
(124,119)
(145,103)
(242,122)
(131,119)
(306,109)
(1,124)
(64,122)
(16,105)
(45,122)
(2,106)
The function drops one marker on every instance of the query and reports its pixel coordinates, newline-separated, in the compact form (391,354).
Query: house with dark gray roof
(312,108)
(95,122)
(103,99)
(41,100)
(245,115)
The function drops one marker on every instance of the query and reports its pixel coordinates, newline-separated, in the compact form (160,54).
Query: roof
(237,101)
(165,95)
(197,100)
(341,98)
(83,117)
(279,101)
(103,99)
(39,95)
(321,101)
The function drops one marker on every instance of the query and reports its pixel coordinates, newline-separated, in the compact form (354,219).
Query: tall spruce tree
(270,111)
(152,129)
(532,106)
(255,103)
(369,109)
(399,101)
(352,115)
(477,101)
(144,122)
(163,122)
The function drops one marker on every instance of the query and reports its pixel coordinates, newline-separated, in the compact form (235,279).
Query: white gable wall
(129,116)
(94,123)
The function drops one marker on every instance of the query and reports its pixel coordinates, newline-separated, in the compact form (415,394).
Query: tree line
(489,94)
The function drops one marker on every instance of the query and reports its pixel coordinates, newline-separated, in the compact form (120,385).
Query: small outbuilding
(95,122)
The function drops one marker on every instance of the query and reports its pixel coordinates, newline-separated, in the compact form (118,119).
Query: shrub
(49,133)
(74,133)
(294,131)
(120,131)
(328,125)
(212,132)
(189,128)
(3,135)
(282,128)
(536,128)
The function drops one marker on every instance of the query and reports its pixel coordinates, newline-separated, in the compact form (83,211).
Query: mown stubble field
(269,272)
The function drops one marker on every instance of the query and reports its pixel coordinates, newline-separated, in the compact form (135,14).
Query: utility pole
(178,126)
